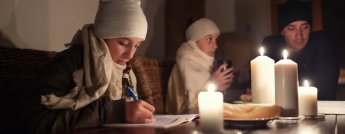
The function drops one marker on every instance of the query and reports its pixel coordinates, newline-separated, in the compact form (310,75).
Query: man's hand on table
(246,97)
(139,112)
(248,90)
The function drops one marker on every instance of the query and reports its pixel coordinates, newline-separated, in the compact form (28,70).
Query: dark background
(333,18)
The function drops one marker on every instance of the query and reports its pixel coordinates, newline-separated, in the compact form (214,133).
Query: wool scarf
(99,76)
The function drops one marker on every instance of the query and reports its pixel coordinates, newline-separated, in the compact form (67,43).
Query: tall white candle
(286,85)
(211,110)
(307,100)
(262,79)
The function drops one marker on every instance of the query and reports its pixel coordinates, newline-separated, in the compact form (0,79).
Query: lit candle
(286,86)
(262,78)
(211,110)
(307,100)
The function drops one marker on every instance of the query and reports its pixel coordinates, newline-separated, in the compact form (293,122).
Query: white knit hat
(120,18)
(201,28)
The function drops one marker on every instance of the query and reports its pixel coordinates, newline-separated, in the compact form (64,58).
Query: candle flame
(306,83)
(211,87)
(285,54)
(261,50)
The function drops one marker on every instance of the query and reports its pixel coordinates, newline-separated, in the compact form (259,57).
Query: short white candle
(211,110)
(286,85)
(262,79)
(307,100)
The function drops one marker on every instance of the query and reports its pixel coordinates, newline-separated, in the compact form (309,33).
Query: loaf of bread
(246,98)
(249,111)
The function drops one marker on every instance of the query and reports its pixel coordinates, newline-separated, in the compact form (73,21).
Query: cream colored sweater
(189,76)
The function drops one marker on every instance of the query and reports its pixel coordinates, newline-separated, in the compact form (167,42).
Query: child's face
(123,49)
(208,44)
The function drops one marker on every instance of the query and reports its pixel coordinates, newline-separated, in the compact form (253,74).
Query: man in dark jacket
(314,52)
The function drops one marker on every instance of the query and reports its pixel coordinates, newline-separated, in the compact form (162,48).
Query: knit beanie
(201,28)
(120,18)
(293,10)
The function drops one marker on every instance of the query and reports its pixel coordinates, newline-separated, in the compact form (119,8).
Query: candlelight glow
(211,87)
(306,83)
(285,54)
(261,50)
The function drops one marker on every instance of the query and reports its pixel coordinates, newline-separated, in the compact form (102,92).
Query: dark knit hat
(293,10)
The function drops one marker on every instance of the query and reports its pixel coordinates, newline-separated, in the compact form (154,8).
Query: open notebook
(331,107)
(162,121)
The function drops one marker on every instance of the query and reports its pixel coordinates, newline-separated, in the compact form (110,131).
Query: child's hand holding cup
(226,78)
(221,62)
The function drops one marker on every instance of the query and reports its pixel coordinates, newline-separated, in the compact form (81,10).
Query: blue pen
(130,91)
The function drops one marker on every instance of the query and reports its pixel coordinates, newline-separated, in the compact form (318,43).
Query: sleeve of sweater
(325,70)
(57,79)
(194,79)
(193,76)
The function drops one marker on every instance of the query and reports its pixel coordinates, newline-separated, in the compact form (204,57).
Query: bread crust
(249,111)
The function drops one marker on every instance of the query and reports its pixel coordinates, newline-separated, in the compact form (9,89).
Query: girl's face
(208,44)
(123,49)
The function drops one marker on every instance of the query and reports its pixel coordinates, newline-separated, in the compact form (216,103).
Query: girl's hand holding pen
(130,91)
(139,112)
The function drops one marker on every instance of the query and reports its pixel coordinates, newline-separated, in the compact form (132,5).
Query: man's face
(296,35)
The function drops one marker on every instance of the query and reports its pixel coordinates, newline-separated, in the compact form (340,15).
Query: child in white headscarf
(84,86)
(193,70)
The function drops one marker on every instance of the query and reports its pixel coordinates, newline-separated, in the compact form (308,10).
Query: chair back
(19,68)
(152,76)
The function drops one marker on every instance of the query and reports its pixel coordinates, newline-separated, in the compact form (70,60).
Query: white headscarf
(201,28)
(120,18)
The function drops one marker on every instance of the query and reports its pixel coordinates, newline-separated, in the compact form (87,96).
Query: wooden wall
(177,12)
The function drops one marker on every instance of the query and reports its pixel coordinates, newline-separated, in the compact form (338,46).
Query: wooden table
(331,124)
